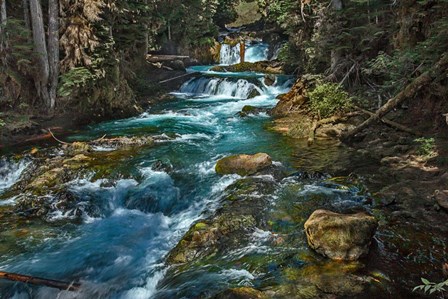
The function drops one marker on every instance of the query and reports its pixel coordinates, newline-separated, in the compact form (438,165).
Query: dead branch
(54,137)
(62,285)
(348,74)
(311,137)
(409,91)
(391,123)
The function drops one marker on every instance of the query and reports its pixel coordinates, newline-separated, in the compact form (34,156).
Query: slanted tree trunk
(26,13)
(40,48)
(409,91)
(53,49)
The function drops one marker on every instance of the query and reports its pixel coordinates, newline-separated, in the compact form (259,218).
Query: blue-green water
(153,195)
(119,252)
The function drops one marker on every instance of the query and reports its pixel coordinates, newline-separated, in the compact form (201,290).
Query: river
(152,196)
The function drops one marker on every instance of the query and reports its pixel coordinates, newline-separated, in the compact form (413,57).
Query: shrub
(431,287)
(329,98)
(426,146)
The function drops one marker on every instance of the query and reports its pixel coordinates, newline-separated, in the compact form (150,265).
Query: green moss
(200,226)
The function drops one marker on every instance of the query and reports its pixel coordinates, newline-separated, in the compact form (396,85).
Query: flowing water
(254,52)
(142,211)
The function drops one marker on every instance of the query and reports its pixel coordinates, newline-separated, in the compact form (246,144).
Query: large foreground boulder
(243,164)
(340,236)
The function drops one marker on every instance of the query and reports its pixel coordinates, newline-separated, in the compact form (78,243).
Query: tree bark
(3,18)
(242,51)
(26,14)
(410,90)
(53,49)
(40,48)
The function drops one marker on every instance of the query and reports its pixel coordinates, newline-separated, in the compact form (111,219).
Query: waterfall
(241,88)
(257,52)
(10,172)
(229,55)
(254,52)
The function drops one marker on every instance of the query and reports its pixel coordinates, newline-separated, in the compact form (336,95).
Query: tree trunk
(40,48)
(336,55)
(53,49)
(242,51)
(26,14)
(3,18)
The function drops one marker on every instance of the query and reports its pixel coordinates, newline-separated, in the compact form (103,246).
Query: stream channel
(127,222)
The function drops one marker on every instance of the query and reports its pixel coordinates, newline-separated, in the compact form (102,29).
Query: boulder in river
(243,164)
(340,236)
(251,110)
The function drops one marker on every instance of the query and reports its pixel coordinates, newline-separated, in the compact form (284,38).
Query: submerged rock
(243,164)
(230,227)
(251,110)
(340,236)
(241,293)
(206,238)
(269,80)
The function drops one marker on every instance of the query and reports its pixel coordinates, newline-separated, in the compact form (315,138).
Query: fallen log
(62,285)
(178,77)
(391,123)
(410,90)
(161,58)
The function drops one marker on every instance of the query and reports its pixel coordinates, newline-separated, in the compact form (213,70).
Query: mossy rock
(241,293)
(243,164)
(258,67)
(254,93)
(251,110)
(340,236)
(204,239)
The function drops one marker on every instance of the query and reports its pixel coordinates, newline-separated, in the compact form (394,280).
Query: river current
(152,196)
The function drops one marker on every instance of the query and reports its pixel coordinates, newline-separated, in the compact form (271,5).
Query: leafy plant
(2,123)
(431,287)
(426,146)
(328,99)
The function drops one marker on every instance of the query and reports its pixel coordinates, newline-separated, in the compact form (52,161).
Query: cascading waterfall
(229,55)
(10,172)
(257,52)
(254,52)
(241,89)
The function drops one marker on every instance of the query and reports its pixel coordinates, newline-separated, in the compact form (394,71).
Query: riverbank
(30,127)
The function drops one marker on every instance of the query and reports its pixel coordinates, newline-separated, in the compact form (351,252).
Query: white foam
(10,172)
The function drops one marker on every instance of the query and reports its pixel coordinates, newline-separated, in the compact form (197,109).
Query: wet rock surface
(239,216)
(267,67)
(340,236)
(44,186)
(243,164)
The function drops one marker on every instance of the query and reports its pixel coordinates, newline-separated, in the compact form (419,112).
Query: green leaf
(427,287)
(417,288)
(425,281)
